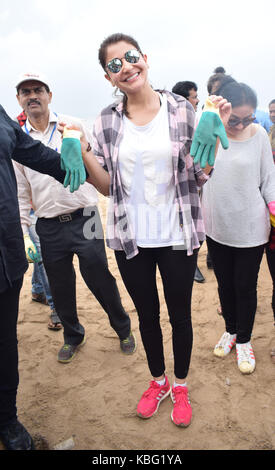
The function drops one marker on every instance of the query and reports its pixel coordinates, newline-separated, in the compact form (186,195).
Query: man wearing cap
(16,145)
(67,224)
(41,291)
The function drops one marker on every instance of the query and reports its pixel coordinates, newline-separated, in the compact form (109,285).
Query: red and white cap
(25,77)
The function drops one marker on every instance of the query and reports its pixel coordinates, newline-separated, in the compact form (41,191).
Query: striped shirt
(107,135)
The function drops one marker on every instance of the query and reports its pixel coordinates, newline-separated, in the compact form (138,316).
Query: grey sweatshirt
(235,198)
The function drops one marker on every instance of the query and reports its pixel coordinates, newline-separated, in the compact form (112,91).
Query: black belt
(66,217)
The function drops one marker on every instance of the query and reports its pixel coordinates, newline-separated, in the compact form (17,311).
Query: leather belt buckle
(65,218)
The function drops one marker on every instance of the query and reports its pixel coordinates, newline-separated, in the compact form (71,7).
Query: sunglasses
(233,122)
(132,56)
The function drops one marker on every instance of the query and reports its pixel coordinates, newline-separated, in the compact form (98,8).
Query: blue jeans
(40,283)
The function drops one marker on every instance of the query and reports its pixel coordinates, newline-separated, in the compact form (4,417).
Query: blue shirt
(262,117)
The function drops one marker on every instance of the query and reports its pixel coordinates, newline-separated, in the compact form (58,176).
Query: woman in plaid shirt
(143,164)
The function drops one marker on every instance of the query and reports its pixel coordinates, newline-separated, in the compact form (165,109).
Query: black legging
(9,377)
(177,273)
(236,270)
(270,256)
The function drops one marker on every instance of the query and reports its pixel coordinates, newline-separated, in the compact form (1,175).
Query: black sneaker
(68,351)
(128,345)
(16,437)
(198,276)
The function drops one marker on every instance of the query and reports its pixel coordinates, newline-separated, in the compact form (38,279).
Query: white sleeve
(24,196)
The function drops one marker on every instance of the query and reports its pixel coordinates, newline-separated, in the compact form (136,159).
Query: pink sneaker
(151,399)
(182,411)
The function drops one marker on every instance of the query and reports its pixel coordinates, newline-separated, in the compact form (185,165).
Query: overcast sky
(183,40)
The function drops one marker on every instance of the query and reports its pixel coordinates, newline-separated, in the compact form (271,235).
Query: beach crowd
(175,179)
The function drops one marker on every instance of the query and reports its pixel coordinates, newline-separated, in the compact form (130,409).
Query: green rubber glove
(71,159)
(210,127)
(31,250)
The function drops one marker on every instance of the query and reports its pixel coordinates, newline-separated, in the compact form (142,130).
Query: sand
(92,401)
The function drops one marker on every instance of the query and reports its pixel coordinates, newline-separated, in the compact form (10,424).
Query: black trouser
(236,270)
(177,273)
(59,242)
(270,256)
(9,377)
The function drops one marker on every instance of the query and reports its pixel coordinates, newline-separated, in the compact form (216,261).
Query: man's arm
(33,154)
(27,151)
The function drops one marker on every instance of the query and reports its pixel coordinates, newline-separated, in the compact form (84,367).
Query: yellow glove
(31,250)
(272,220)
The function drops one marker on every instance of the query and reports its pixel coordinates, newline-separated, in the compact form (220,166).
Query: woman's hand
(211,127)
(99,178)
(223,106)
(71,160)
(83,141)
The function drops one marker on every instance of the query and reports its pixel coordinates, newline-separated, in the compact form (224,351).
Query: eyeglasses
(233,122)
(115,65)
(27,91)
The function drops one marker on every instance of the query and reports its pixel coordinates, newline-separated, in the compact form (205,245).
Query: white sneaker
(224,346)
(245,357)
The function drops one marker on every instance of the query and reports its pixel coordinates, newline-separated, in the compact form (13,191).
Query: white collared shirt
(44,194)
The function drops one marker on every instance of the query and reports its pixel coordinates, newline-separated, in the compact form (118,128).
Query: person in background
(217,80)
(236,203)
(67,224)
(189,90)
(263,118)
(41,291)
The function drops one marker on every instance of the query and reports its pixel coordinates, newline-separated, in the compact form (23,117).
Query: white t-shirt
(145,165)
(235,198)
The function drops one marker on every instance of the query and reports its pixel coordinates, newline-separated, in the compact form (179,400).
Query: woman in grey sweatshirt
(235,205)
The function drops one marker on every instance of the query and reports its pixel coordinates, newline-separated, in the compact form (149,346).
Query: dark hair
(271,102)
(239,94)
(219,78)
(183,88)
(219,70)
(113,39)
(102,52)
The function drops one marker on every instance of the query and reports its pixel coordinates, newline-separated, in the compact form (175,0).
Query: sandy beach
(93,399)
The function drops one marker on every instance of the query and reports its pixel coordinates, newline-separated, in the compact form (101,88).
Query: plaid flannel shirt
(107,135)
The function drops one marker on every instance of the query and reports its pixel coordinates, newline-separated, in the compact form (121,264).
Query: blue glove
(71,159)
(31,250)
(210,127)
